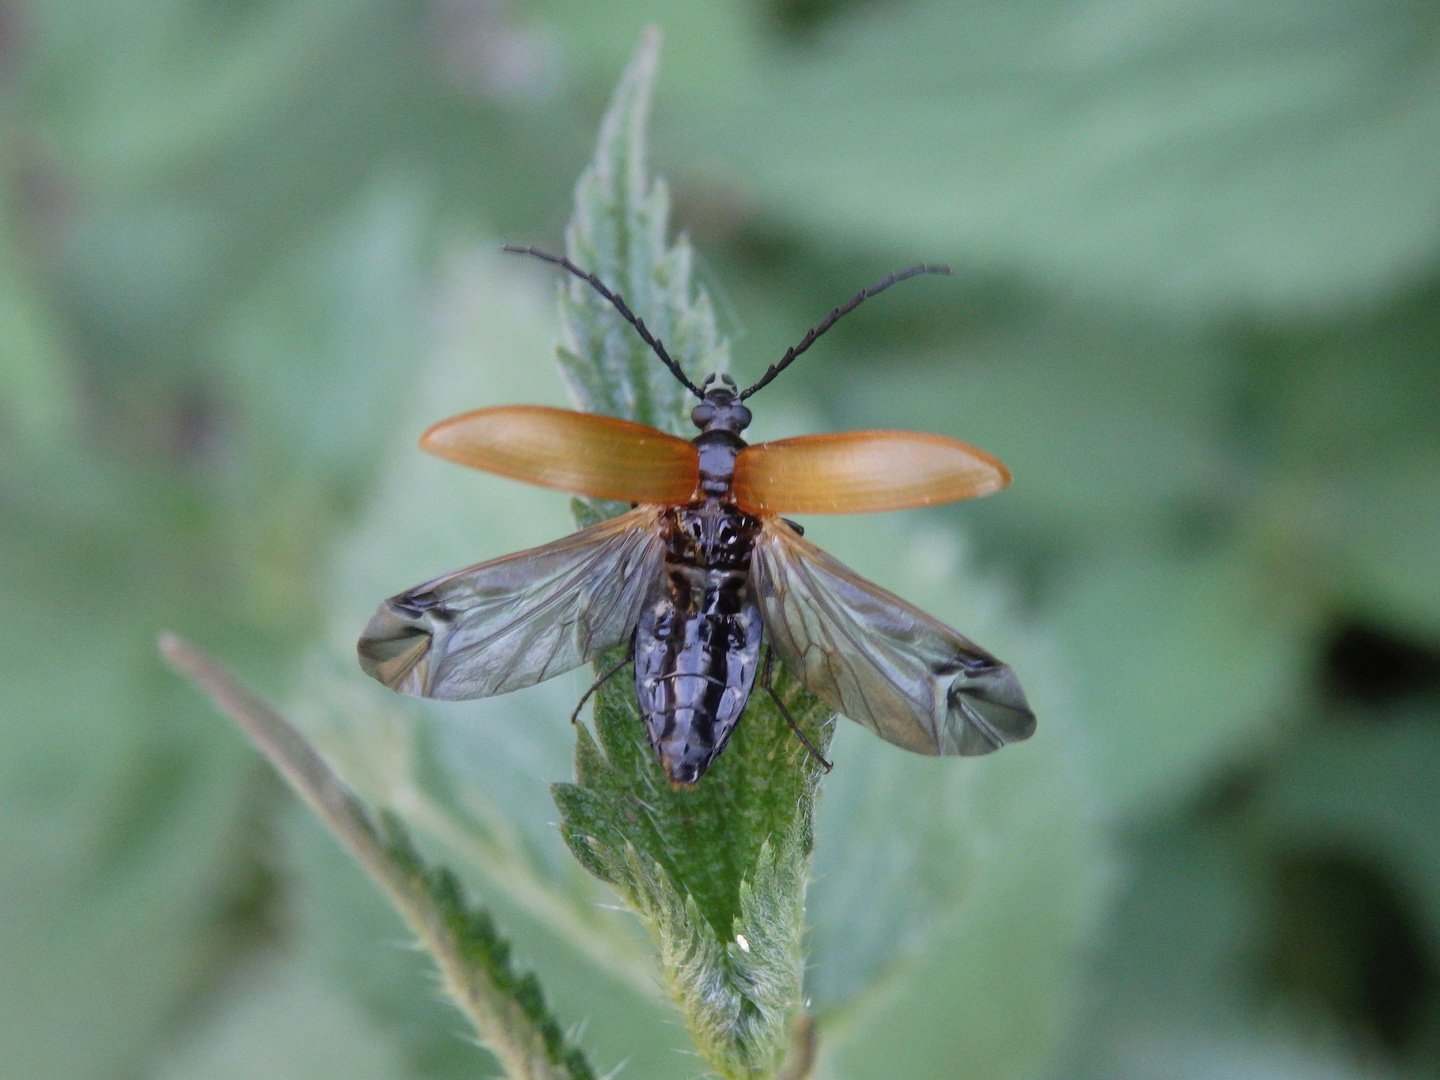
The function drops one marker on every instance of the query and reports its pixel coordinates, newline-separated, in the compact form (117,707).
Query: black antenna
(835,316)
(620,306)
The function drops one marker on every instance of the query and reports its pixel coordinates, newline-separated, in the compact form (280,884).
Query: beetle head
(720,408)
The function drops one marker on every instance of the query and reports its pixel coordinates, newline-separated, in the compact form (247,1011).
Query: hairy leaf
(507,1008)
(717,874)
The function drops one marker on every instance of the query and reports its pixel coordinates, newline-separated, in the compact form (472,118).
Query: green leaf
(1192,158)
(1182,668)
(507,1009)
(1345,415)
(1367,791)
(711,48)
(1385,531)
(1102,417)
(717,874)
(1172,987)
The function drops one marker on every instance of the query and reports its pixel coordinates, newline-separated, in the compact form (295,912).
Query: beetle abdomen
(697,646)
(696,652)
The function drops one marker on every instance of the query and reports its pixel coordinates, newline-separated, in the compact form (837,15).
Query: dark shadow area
(1345,942)
(1368,665)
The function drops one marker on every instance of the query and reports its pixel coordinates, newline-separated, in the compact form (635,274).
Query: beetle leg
(770,689)
(575,716)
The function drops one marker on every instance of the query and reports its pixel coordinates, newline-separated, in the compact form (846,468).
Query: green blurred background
(248,253)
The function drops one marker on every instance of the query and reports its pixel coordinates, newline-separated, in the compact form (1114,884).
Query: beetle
(703,571)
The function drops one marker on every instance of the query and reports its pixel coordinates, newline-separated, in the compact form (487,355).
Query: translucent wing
(581,453)
(518,620)
(862,472)
(872,657)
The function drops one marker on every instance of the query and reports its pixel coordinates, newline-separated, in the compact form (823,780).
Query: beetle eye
(702,414)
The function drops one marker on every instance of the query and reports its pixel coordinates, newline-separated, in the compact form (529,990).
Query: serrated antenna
(835,316)
(619,303)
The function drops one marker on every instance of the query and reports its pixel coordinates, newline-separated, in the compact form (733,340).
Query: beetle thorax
(720,417)
(710,535)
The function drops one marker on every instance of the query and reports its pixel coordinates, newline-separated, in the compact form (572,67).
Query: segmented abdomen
(696,651)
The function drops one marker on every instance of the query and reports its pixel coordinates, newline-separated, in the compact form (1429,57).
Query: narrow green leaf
(507,1009)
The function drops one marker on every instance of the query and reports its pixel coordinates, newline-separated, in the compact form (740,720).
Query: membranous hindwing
(878,660)
(520,619)
(697,645)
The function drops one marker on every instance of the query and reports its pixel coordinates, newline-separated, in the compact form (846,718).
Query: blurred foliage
(244,262)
